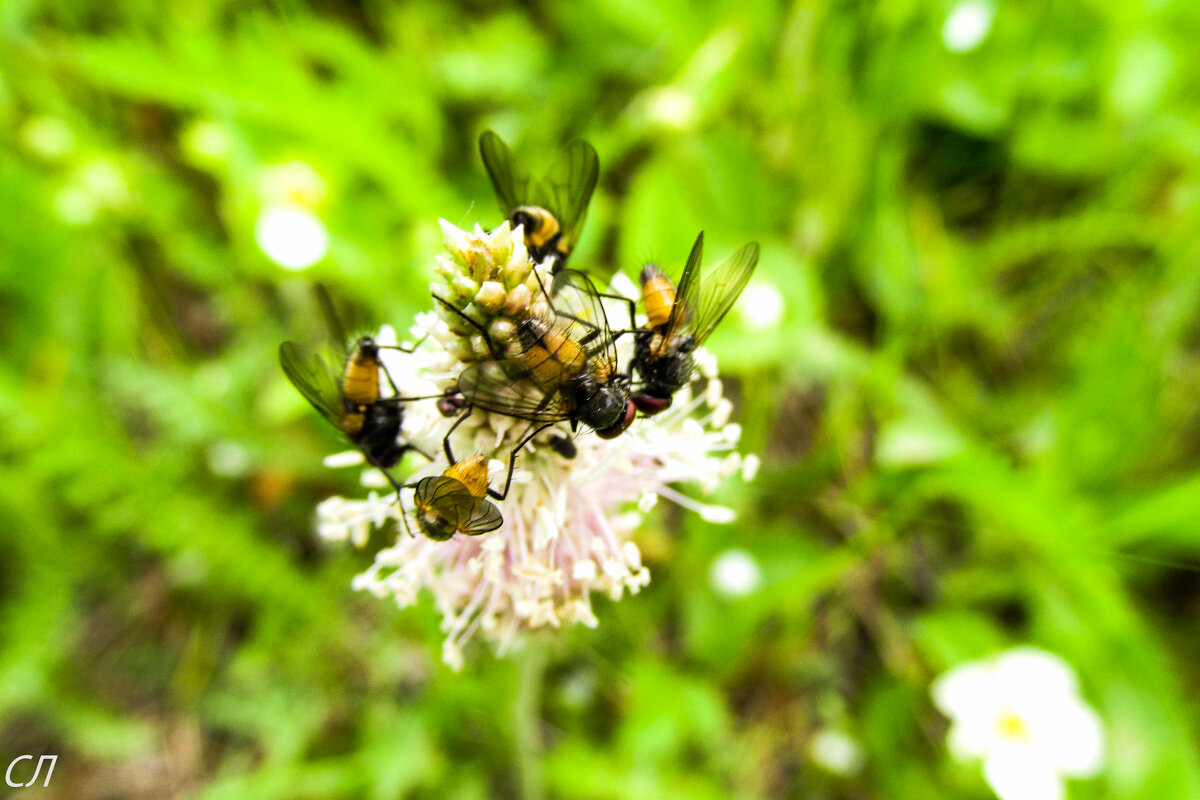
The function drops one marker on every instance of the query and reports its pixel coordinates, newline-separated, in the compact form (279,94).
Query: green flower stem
(527,738)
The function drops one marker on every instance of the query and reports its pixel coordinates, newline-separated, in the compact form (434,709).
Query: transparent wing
(683,313)
(508,387)
(314,378)
(481,516)
(337,330)
(720,290)
(579,313)
(567,188)
(513,184)
(451,499)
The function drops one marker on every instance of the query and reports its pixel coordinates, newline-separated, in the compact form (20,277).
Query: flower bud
(517,301)
(502,330)
(490,297)
(464,287)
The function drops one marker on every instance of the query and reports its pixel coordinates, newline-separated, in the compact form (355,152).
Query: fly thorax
(600,405)
(379,436)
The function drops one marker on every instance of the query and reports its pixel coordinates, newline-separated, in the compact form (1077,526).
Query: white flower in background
(96,186)
(294,238)
(567,522)
(967,25)
(672,107)
(761,307)
(837,751)
(287,230)
(292,183)
(735,573)
(46,137)
(1022,714)
(206,142)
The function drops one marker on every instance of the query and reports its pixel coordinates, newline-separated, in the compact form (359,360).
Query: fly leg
(512,460)
(487,337)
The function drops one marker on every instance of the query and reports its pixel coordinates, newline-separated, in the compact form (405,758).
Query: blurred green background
(977,413)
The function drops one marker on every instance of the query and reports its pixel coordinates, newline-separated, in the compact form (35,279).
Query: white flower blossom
(968,25)
(568,522)
(1022,714)
(837,751)
(294,238)
(735,573)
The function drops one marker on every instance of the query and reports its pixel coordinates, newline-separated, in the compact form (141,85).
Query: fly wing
(314,378)
(338,336)
(513,184)
(441,492)
(568,186)
(454,502)
(578,312)
(481,516)
(508,387)
(720,290)
(683,313)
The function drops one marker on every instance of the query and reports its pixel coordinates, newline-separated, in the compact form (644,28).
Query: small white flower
(206,141)
(672,107)
(761,307)
(1022,714)
(967,25)
(837,752)
(293,238)
(735,573)
(293,183)
(47,137)
(567,522)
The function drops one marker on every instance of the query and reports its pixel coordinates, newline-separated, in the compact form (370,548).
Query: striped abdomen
(658,295)
(360,380)
(549,353)
(539,224)
(471,472)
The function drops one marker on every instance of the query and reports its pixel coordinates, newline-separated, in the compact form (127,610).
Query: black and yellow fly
(678,320)
(457,500)
(550,209)
(565,368)
(349,394)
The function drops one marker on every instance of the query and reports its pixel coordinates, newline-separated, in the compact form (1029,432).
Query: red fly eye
(620,427)
(450,404)
(650,405)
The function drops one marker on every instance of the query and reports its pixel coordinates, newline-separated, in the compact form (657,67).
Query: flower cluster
(568,521)
(1022,714)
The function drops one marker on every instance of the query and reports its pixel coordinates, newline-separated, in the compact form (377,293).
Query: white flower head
(1021,712)
(294,238)
(568,521)
(837,751)
(735,573)
(968,25)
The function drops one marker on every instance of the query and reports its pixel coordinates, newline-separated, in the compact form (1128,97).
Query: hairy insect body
(473,473)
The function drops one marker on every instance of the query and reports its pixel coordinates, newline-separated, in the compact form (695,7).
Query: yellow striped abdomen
(471,472)
(540,225)
(360,381)
(658,295)
(552,356)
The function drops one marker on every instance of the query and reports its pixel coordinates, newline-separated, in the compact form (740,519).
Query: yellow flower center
(1010,726)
